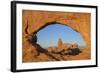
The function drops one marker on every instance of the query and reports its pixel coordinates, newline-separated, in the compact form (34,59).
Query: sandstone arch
(36,20)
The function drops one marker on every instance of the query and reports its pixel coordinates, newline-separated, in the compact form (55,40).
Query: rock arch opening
(48,36)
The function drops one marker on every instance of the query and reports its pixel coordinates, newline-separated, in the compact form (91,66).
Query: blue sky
(49,35)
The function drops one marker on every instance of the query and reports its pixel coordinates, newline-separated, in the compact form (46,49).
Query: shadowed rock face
(33,21)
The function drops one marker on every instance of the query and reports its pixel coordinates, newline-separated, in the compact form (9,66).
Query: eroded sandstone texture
(36,20)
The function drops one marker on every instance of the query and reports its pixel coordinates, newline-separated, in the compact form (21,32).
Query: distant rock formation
(60,43)
(65,48)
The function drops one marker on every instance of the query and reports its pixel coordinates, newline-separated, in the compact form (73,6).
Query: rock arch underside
(34,21)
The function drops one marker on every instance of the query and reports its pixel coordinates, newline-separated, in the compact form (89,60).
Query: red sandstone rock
(37,20)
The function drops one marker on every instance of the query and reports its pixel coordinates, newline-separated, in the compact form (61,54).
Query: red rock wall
(79,22)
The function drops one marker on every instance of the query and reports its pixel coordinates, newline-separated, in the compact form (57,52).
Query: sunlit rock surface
(36,20)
